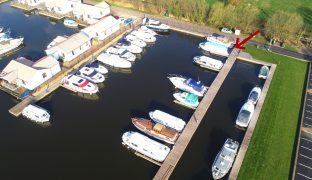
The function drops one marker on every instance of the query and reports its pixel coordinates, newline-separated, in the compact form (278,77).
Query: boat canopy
(264,70)
(192,98)
(197,85)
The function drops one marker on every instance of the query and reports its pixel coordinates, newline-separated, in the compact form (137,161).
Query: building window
(73,53)
(44,75)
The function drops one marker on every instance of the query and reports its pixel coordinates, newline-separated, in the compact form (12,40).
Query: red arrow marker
(238,44)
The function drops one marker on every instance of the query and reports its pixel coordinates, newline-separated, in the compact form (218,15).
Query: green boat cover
(191,98)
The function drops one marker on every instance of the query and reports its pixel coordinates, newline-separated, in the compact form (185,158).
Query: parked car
(226,30)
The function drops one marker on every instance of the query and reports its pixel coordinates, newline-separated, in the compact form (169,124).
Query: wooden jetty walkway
(175,154)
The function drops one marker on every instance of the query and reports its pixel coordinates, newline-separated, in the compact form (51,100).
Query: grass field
(271,148)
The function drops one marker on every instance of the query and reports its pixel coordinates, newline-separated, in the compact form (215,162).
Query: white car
(226,30)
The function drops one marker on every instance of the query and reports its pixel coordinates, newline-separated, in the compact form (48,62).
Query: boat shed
(103,28)
(70,48)
(91,14)
(28,74)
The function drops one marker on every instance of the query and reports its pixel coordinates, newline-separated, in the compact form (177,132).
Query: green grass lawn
(271,148)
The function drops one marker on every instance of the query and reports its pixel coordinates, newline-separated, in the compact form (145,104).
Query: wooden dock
(175,154)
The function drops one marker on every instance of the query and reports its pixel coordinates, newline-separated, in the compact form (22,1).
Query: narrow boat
(245,114)
(155,130)
(10,44)
(220,39)
(215,48)
(187,84)
(91,75)
(168,120)
(187,99)
(145,146)
(209,63)
(128,46)
(264,72)
(70,23)
(113,60)
(98,68)
(144,36)
(36,113)
(147,30)
(79,84)
(225,158)
(155,25)
(134,40)
(254,95)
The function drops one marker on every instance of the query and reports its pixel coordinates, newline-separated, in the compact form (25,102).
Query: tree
(248,17)
(217,14)
(283,26)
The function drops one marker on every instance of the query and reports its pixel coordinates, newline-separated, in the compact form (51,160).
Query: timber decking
(175,154)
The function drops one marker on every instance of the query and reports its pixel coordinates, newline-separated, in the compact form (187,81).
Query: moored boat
(128,46)
(155,25)
(264,72)
(10,44)
(187,99)
(79,84)
(144,36)
(209,63)
(225,158)
(147,30)
(70,23)
(187,84)
(145,146)
(254,95)
(36,113)
(220,39)
(91,75)
(155,130)
(134,40)
(245,114)
(113,60)
(168,120)
(98,68)
(215,48)
(122,53)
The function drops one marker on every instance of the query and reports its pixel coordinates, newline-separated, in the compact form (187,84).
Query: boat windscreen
(197,85)
(253,96)
(243,116)
(93,73)
(192,98)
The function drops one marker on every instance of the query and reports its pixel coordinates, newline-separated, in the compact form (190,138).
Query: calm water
(84,139)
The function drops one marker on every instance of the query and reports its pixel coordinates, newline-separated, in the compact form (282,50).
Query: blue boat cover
(124,41)
(196,85)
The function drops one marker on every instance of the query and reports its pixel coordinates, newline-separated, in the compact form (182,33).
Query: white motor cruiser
(215,48)
(187,84)
(209,63)
(134,40)
(245,114)
(225,158)
(91,75)
(113,60)
(186,99)
(155,25)
(128,46)
(36,113)
(79,84)
(9,44)
(147,30)
(167,120)
(220,39)
(264,72)
(145,146)
(254,95)
(144,36)
(121,52)
(98,68)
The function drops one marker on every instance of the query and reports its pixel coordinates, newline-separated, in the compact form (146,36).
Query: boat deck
(176,153)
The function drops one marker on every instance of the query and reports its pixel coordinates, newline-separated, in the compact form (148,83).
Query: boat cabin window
(80,80)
